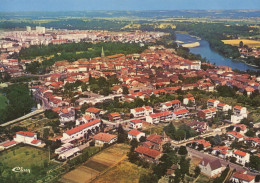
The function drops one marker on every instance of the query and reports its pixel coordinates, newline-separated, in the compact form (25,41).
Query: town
(184,118)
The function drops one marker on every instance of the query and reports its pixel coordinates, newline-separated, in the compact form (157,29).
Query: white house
(211,168)
(238,110)
(66,115)
(223,107)
(233,135)
(171,105)
(242,177)
(212,103)
(241,157)
(141,111)
(28,138)
(104,138)
(188,100)
(7,144)
(237,118)
(135,134)
(180,114)
(159,117)
(221,151)
(69,153)
(63,148)
(80,131)
(136,123)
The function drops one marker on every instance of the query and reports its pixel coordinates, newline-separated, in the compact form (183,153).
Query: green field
(3,100)
(23,156)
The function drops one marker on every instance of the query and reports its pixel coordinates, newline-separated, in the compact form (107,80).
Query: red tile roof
(235,134)
(240,153)
(9,143)
(35,141)
(134,132)
(182,111)
(26,133)
(203,142)
(238,107)
(81,127)
(93,110)
(148,152)
(136,121)
(242,176)
(105,137)
(160,114)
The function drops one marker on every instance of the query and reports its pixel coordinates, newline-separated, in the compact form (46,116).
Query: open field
(23,156)
(235,42)
(125,172)
(97,164)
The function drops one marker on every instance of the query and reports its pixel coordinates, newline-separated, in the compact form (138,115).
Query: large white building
(141,111)
(211,168)
(28,138)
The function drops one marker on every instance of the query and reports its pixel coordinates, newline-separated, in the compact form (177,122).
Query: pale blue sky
(75,5)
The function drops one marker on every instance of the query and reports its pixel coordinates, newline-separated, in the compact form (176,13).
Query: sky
(81,5)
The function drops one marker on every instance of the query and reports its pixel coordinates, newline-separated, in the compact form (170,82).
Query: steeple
(102,53)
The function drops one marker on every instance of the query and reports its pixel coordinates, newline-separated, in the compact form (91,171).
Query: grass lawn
(3,100)
(124,172)
(203,179)
(23,156)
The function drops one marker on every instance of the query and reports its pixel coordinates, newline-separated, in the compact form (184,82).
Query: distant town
(177,118)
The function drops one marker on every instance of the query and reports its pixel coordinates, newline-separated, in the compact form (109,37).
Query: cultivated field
(235,42)
(97,165)
(23,156)
(125,172)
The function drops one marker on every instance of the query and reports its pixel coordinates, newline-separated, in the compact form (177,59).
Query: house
(155,141)
(28,138)
(69,153)
(241,157)
(238,110)
(104,138)
(212,103)
(221,151)
(79,131)
(66,115)
(94,112)
(171,105)
(203,142)
(136,123)
(211,168)
(180,114)
(114,116)
(223,107)
(254,141)
(241,128)
(7,144)
(189,100)
(159,117)
(233,135)
(116,89)
(63,148)
(135,134)
(235,119)
(141,111)
(150,155)
(207,113)
(242,177)
(199,126)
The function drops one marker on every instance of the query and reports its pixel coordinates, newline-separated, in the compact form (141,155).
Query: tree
(241,44)
(250,133)
(148,178)
(133,144)
(233,159)
(182,150)
(197,171)
(50,114)
(170,130)
(200,147)
(125,90)
(254,162)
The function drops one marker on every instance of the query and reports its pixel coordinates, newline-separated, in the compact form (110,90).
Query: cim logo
(21,170)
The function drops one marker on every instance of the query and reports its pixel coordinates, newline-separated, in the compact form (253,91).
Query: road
(29,115)
(224,163)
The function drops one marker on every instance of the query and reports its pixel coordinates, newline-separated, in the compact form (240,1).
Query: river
(205,51)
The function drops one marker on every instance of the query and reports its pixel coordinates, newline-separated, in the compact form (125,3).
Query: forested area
(19,102)
(73,52)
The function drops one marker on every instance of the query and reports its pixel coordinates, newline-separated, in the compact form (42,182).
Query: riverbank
(212,55)
(191,45)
